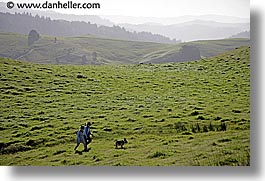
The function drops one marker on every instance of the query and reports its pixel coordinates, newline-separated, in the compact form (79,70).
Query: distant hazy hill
(192,30)
(174,20)
(93,50)
(245,34)
(24,23)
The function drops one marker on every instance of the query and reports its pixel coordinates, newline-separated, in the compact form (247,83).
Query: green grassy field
(70,50)
(175,114)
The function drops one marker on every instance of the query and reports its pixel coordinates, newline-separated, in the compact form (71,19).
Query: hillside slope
(192,113)
(93,50)
(24,23)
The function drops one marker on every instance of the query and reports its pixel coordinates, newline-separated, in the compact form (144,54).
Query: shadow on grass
(81,152)
(121,148)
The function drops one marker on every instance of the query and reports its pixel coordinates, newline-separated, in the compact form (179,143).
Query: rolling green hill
(191,113)
(94,50)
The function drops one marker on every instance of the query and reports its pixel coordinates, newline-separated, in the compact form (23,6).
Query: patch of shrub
(198,108)
(194,113)
(41,112)
(224,120)
(217,118)
(23,125)
(1,128)
(224,140)
(123,108)
(15,93)
(180,126)
(101,116)
(186,133)
(228,162)
(14,148)
(107,129)
(147,116)
(25,134)
(39,118)
(131,120)
(200,118)
(198,127)
(2,145)
(205,128)
(214,144)
(157,154)
(80,76)
(5,145)
(36,142)
(36,128)
(175,116)
(193,129)
(211,127)
(222,127)
(31,143)
(236,111)
(28,89)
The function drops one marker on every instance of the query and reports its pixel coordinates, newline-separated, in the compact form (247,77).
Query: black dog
(121,143)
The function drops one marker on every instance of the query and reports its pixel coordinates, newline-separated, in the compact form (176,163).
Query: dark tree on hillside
(84,59)
(33,36)
(94,56)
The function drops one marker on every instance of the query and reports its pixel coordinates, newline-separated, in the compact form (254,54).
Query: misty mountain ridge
(110,20)
(165,30)
(191,30)
(174,20)
(211,23)
(245,34)
(24,23)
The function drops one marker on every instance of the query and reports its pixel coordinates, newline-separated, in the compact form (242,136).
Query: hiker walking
(87,133)
(80,138)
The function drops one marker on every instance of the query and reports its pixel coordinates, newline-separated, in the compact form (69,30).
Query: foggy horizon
(166,9)
(139,19)
(211,23)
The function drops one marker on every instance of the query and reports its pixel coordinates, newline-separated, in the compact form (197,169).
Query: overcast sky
(160,8)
